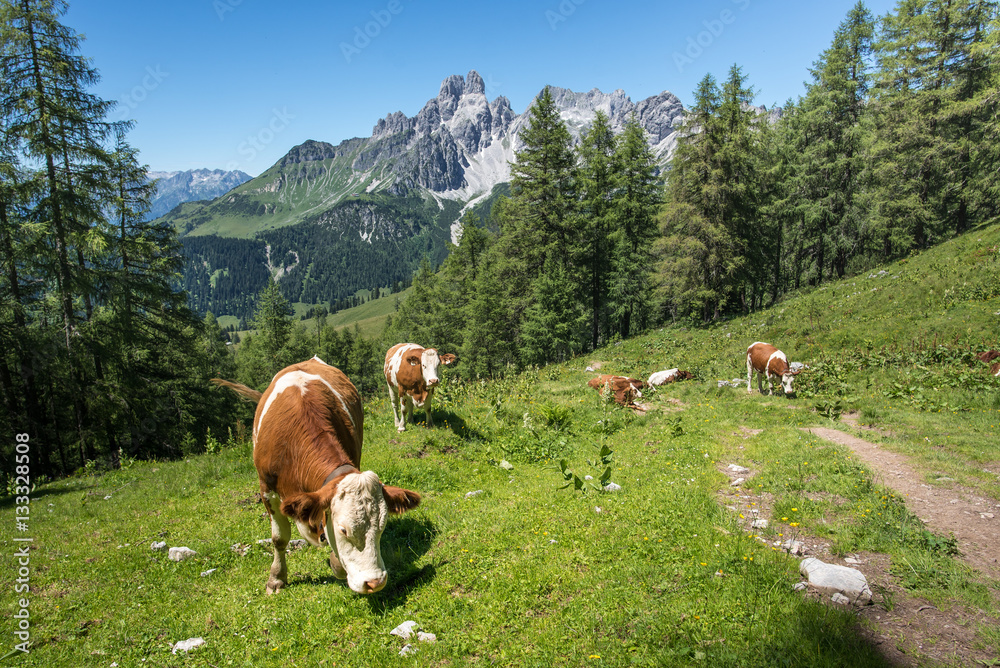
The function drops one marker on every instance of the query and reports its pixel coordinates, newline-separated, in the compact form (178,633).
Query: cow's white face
(358,513)
(429,362)
(786,382)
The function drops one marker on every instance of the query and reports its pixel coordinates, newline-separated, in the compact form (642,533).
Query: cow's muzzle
(372,586)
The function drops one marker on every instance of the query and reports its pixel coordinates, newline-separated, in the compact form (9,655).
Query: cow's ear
(447,358)
(308,507)
(400,500)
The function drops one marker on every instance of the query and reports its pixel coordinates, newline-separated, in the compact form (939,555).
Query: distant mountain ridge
(326,221)
(458,147)
(174,188)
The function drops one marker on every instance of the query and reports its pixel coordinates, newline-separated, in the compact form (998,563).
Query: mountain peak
(474,84)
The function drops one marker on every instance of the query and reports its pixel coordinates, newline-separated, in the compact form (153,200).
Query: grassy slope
(525,574)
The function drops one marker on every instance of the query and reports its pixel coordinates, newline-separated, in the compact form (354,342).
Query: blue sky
(236,83)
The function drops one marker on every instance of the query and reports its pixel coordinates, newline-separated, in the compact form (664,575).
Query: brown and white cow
(625,390)
(768,361)
(411,374)
(307,436)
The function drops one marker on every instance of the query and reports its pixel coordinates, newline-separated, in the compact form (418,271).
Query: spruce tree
(596,188)
(636,198)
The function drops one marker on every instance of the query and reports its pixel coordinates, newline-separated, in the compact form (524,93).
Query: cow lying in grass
(307,435)
(669,376)
(768,361)
(624,389)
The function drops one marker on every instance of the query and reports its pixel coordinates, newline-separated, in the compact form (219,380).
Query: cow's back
(308,421)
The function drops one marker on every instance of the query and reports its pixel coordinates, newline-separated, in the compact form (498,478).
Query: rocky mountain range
(458,147)
(327,220)
(173,188)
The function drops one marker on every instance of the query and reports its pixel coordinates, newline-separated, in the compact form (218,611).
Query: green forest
(107,351)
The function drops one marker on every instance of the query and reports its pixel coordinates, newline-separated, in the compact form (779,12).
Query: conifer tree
(596,187)
(635,201)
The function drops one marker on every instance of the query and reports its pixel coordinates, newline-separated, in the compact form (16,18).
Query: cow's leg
(770,386)
(427,407)
(406,408)
(281,531)
(749,375)
(393,399)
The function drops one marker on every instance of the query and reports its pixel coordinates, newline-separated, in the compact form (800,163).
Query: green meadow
(508,566)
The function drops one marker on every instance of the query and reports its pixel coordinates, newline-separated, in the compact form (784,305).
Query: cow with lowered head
(307,437)
(768,361)
(411,374)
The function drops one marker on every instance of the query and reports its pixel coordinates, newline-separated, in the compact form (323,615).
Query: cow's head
(429,361)
(786,380)
(354,511)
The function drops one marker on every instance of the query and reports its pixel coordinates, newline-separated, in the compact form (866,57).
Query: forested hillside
(368,242)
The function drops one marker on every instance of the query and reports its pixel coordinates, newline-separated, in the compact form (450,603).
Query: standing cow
(768,361)
(307,435)
(411,374)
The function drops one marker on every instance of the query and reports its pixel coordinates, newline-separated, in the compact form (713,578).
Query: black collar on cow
(343,469)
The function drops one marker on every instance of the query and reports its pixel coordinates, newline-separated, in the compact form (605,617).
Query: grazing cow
(307,435)
(625,390)
(768,361)
(411,374)
(669,376)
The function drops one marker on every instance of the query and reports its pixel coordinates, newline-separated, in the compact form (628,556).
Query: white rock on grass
(737,482)
(736,468)
(407,650)
(831,579)
(158,546)
(796,547)
(469,495)
(505,465)
(205,574)
(840,599)
(404,630)
(426,637)
(188,645)
(180,553)
(612,487)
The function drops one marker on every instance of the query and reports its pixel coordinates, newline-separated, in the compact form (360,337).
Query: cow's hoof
(274,586)
(400,429)
(338,570)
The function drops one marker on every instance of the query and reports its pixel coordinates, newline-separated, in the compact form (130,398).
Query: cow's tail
(242,390)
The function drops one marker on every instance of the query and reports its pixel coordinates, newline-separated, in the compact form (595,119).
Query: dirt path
(943,508)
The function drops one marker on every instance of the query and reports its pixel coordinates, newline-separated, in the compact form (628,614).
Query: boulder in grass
(180,553)
(404,630)
(158,546)
(188,645)
(832,579)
